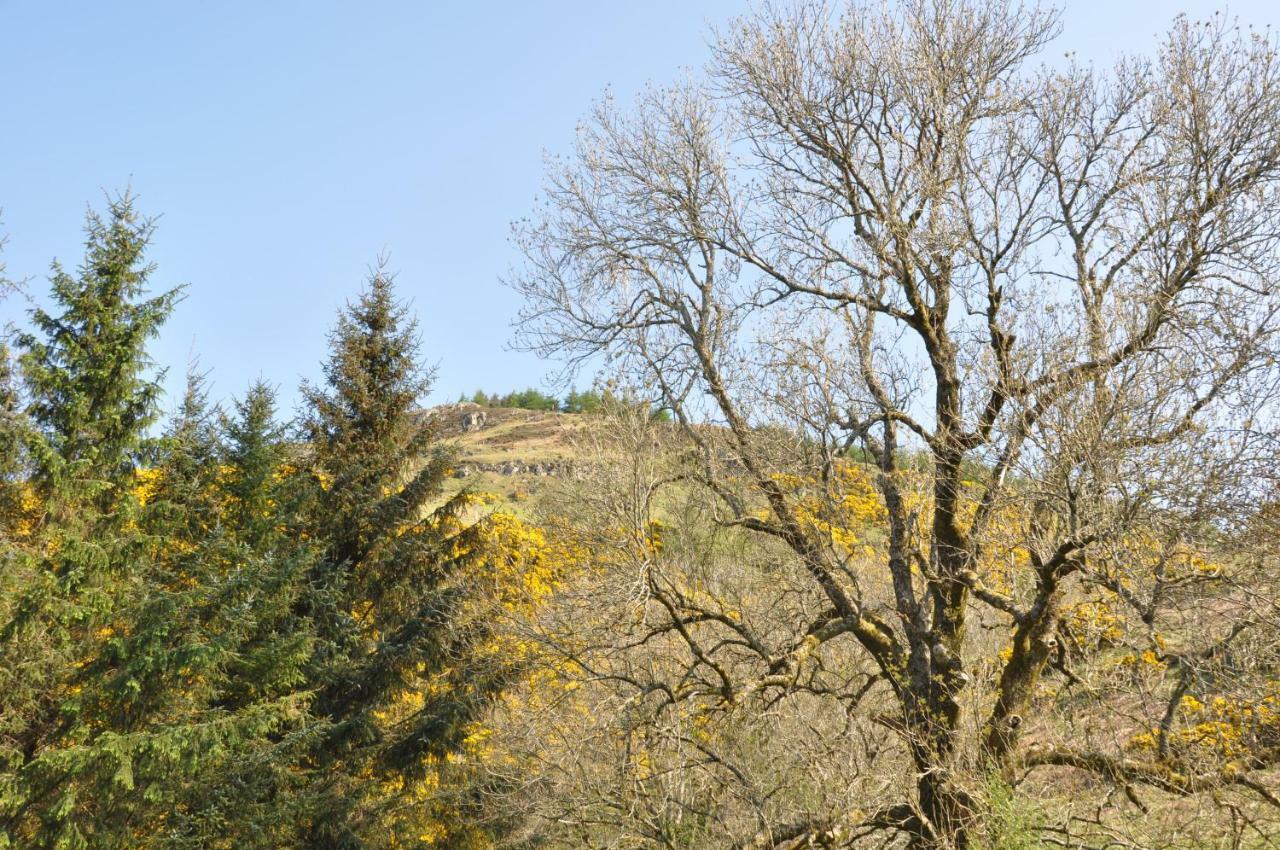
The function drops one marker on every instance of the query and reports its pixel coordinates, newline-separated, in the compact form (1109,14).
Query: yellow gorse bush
(838,511)
(518,566)
(1219,727)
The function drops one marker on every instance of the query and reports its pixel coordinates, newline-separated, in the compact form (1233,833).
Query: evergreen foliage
(967,535)
(225,635)
(589,401)
(527,399)
(13,435)
(87,370)
(586,401)
(389,584)
(72,707)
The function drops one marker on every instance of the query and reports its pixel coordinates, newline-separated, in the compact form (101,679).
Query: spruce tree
(263,495)
(388,583)
(86,565)
(255,795)
(256,457)
(180,485)
(13,435)
(193,703)
(87,366)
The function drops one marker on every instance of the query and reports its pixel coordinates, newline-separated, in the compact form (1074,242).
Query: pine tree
(582,402)
(87,370)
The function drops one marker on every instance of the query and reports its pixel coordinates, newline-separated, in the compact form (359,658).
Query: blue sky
(285,145)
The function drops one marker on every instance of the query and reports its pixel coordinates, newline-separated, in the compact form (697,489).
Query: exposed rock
(514,467)
(474,420)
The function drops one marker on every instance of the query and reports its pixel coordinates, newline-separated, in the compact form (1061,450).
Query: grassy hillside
(514,454)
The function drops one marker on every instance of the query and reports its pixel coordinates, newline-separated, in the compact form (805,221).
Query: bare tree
(1038,303)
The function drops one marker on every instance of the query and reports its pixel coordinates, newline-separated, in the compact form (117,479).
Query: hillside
(509,452)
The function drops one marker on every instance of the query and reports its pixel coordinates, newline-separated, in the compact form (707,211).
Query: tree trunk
(950,817)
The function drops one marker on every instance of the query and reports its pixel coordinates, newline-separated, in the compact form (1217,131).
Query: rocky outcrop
(474,420)
(513,467)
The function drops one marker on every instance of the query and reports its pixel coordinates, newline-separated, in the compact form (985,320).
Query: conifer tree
(255,454)
(255,794)
(134,726)
(13,432)
(181,484)
(389,575)
(264,496)
(87,369)
(91,401)
(192,704)
(86,567)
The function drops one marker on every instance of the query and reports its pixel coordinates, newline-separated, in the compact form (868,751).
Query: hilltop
(510,452)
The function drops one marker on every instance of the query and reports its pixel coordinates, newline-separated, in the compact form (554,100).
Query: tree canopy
(927,497)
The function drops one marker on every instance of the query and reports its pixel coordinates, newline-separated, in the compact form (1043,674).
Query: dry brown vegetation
(974,365)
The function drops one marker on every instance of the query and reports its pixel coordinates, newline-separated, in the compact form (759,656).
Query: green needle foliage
(93,396)
(229,631)
(85,560)
(385,585)
(13,434)
(153,651)
(243,610)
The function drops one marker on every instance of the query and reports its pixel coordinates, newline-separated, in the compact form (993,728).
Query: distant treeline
(531,399)
(588,401)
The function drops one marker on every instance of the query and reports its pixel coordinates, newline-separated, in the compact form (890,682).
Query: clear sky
(286,144)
